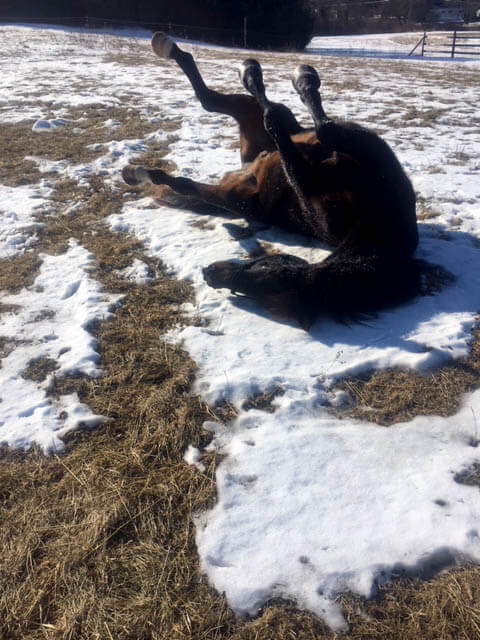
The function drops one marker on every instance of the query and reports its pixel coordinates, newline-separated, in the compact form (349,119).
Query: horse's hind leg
(165,47)
(244,109)
(239,197)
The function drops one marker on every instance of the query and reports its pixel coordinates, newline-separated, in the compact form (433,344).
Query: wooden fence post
(420,42)
(454,39)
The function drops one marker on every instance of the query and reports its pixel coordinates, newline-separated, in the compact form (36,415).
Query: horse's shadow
(436,323)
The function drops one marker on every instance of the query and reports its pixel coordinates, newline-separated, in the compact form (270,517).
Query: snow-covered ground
(308,505)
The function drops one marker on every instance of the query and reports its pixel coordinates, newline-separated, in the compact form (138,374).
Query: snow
(311,506)
(50,321)
(193,456)
(137,272)
(20,208)
(308,505)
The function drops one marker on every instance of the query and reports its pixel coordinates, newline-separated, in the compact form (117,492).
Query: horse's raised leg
(307,84)
(295,166)
(244,109)
(390,218)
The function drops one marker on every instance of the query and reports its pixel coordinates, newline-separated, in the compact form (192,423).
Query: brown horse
(337,182)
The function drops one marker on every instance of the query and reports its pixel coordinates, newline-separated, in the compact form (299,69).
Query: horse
(337,182)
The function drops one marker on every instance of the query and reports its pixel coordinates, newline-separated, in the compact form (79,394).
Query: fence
(456,43)
(244,35)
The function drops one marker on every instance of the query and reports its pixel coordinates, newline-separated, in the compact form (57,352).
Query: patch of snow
(112,124)
(193,456)
(310,506)
(137,272)
(21,209)
(50,320)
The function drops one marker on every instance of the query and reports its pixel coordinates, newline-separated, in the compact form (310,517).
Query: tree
(276,24)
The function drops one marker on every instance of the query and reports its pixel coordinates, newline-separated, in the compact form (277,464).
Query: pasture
(176,464)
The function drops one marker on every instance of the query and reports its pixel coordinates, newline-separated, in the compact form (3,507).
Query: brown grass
(387,397)
(98,542)
(18,272)
(263,400)
(79,141)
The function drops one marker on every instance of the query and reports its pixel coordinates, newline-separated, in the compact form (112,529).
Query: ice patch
(42,126)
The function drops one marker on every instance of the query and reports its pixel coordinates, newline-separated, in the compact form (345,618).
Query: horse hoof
(128,175)
(250,73)
(305,77)
(162,45)
(135,175)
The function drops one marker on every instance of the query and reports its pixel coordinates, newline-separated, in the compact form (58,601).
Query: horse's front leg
(296,169)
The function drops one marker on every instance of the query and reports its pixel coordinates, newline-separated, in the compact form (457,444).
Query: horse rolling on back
(337,182)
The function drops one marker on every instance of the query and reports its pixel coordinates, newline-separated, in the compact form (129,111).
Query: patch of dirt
(223,412)
(471,475)
(7,345)
(19,271)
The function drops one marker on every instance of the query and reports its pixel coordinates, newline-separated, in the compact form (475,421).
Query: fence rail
(453,44)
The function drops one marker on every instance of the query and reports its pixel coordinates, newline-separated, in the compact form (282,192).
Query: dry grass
(387,397)
(98,542)
(18,272)
(79,141)
(263,400)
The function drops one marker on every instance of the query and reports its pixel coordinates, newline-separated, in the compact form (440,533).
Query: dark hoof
(162,45)
(305,77)
(251,75)
(129,174)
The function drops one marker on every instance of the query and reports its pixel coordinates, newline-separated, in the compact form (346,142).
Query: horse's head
(277,282)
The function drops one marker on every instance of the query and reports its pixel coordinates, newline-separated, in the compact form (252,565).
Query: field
(178,464)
